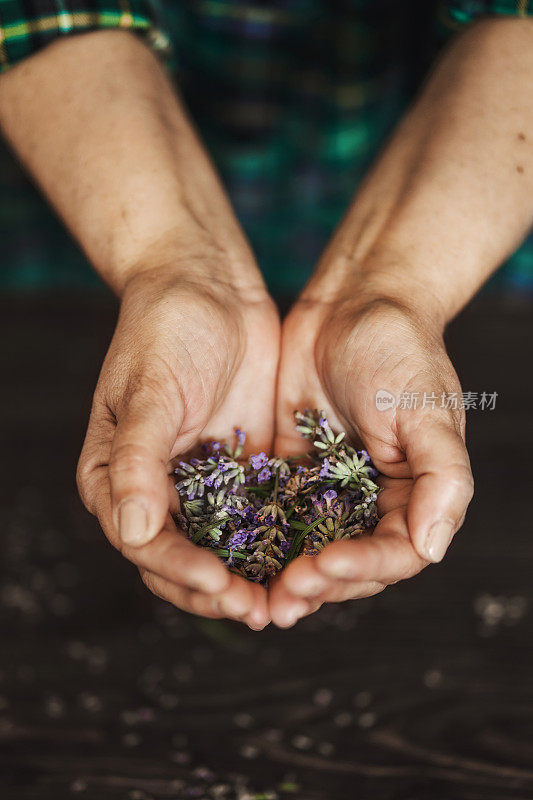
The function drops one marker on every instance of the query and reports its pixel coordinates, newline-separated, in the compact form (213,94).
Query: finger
(186,599)
(229,605)
(170,555)
(443,485)
(285,608)
(301,578)
(237,599)
(176,559)
(386,557)
(395,494)
(339,591)
(146,431)
(259,616)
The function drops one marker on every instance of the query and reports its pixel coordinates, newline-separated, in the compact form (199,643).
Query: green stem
(259,490)
(199,535)
(300,526)
(299,538)
(276,486)
(224,552)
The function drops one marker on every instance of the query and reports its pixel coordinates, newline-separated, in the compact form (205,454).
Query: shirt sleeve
(456,14)
(27,26)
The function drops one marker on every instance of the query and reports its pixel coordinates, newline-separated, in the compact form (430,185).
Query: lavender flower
(258,516)
(239,539)
(264,475)
(324,472)
(258,461)
(330,495)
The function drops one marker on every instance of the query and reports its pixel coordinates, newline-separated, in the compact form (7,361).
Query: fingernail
(438,539)
(255,627)
(258,621)
(132,523)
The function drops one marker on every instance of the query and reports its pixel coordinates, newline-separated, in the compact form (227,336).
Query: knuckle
(461,480)
(151,583)
(127,458)
(84,479)
(409,567)
(82,476)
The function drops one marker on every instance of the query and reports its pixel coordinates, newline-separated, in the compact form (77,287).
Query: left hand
(335,356)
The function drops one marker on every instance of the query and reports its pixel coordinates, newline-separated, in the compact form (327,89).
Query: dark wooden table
(105,692)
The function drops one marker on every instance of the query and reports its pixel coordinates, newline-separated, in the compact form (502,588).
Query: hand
(336,356)
(188,362)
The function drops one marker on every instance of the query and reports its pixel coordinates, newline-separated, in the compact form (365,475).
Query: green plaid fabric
(28,25)
(456,13)
(292,97)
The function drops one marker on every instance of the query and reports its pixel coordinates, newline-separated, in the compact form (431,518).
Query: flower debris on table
(260,515)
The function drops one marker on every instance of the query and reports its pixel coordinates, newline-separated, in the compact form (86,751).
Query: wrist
(383,279)
(196,261)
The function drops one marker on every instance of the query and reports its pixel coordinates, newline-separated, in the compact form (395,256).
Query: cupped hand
(338,356)
(189,361)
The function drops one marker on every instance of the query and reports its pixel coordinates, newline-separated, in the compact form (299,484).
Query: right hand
(337,355)
(188,362)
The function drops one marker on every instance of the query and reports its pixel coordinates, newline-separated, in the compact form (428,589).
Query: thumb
(145,434)
(443,485)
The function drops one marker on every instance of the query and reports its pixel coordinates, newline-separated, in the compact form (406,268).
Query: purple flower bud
(264,475)
(317,502)
(239,539)
(324,472)
(241,436)
(330,495)
(365,455)
(324,424)
(258,461)
(215,446)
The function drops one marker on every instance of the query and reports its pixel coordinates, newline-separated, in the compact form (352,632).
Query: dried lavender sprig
(242,511)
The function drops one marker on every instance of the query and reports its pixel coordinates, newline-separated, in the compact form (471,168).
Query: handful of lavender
(259,516)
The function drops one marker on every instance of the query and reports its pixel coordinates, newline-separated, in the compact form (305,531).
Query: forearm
(97,124)
(451,197)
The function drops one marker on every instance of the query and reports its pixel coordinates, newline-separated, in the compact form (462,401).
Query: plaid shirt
(293,99)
